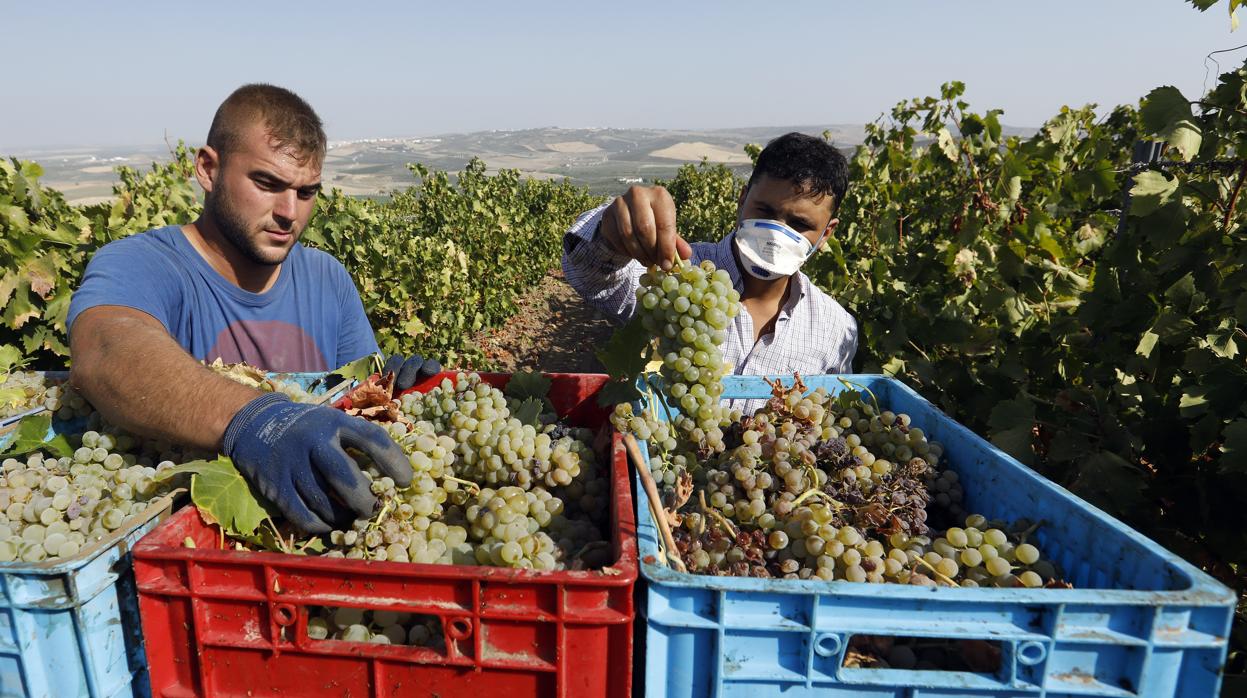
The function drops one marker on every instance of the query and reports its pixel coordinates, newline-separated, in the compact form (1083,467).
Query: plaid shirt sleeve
(604,278)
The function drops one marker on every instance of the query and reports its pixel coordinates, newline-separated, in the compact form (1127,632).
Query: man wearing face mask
(237,285)
(784,214)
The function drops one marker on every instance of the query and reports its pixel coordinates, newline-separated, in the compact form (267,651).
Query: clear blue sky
(104,73)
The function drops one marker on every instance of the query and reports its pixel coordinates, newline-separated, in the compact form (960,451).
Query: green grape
(1027,554)
(356,633)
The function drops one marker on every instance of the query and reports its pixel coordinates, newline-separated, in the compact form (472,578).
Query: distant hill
(605,159)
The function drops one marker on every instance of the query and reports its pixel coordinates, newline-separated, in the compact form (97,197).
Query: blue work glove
(294,455)
(408,370)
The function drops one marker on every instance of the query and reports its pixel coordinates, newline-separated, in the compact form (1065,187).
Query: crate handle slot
(459,629)
(828,645)
(1031,653)
(285,614)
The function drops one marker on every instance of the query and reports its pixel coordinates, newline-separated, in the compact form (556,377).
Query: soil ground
(554,331)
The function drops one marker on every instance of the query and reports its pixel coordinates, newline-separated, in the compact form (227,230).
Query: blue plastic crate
(1139,622)
(71,628)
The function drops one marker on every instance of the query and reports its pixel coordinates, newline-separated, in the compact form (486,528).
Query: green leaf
(618,391)
(1221,341)
(1107,480)
(1166,113)
(1146,344)
(1012,414)
(1193,403)
(12,397)
(1234,448)
(222,495)
(528,384)
(627,351)
(948,145)
(10,356)
(1018,443)
(31,435)
(1151,190)
(358,369)
(529,410)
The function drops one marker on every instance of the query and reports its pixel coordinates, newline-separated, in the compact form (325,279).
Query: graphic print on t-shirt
(267,343)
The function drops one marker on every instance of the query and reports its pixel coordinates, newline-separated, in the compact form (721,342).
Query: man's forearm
(140,379)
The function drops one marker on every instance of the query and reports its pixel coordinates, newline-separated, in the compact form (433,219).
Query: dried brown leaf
(683,489)
(371,392)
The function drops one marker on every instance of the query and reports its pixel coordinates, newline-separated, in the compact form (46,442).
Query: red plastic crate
(228,623)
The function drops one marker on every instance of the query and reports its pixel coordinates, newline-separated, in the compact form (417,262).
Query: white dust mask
(771,250)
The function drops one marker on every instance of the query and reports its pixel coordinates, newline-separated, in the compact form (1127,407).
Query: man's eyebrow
(265,174)
(803,222)
(283,184)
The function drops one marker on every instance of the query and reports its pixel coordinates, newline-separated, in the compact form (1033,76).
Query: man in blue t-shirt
(237,285)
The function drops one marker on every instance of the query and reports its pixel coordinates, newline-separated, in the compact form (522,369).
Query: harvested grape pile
(21,391)
(497,481)
(53,507)
(60,495)
(811,486)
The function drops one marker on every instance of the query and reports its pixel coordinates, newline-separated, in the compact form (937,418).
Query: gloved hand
(293,454)
(408,370)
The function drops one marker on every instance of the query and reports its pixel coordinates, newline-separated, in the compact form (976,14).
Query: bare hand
(641,225)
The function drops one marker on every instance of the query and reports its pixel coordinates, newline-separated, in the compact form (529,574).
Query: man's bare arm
(130,369)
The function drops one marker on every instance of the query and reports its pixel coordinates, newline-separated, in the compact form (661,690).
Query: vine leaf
(1109,481)
(624,357)
(359,369)
(527,384)
(32,435)
(627,351)
(1151,191)
(222,495)
(616,392)
(1234,450)
(1166,113)
(529,411)
(1012,422)
(10,356)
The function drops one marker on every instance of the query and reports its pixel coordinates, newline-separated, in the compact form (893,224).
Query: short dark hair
(290,121)
(813,164)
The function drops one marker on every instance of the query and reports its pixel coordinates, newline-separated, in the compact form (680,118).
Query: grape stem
(281,541)
(716,516)
(938,575)
(665,408)
(852,384)
(815,492)
(385,510)
(1023,535)
(472,486)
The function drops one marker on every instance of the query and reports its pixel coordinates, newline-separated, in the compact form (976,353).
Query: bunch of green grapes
(487,488)
(492,447)
(689,310)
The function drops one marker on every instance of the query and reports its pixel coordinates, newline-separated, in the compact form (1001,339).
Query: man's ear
(207,167)
(827,233)
(740,204)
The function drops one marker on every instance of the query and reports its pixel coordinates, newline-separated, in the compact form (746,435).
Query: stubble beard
(234,229)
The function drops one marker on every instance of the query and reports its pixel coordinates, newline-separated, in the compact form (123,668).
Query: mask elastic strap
(823,238)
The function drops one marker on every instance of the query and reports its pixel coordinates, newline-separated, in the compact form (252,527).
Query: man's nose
(285,204)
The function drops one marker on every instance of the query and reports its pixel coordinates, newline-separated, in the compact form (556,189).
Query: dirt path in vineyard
(553,331)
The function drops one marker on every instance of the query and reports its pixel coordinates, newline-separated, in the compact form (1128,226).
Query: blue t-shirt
(310,320)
